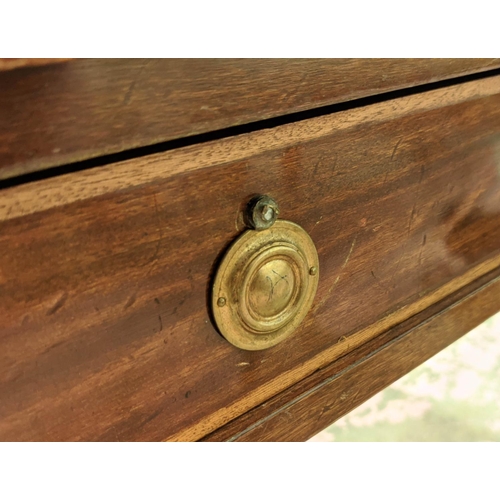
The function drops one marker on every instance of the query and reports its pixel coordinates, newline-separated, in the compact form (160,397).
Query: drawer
(95,107)
(105,273)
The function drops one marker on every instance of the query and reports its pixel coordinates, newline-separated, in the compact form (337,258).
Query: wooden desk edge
(123,104)
(314,403)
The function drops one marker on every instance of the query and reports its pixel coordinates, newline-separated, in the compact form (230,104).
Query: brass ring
(264,286)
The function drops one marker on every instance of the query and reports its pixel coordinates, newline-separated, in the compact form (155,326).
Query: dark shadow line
(239,129)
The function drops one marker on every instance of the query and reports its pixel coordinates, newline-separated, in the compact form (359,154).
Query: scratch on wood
(130,301)
(128,94)
(337,279)
(53,346)
(243,363)
(59,303)
(421,249)
(345,262)
(130,90)
(150,418)
(396,148)
(349,254)
(411,217)
(422,172)
(315,224)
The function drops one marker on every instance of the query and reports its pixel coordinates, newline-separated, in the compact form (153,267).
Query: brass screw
(313,271)
(267,213)
(221,302)
(262,212)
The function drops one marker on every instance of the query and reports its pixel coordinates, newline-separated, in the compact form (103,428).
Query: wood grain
(7,64)
(82,109)
(105,273)
(316,402)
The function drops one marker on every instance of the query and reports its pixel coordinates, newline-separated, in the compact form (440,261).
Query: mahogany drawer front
(105,274)
(85,108)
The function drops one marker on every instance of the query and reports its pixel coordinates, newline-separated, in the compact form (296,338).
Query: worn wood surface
(104,273)
(86,108)
(7,64)
(314,403)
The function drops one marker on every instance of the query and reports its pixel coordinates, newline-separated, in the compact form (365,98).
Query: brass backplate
(265,285)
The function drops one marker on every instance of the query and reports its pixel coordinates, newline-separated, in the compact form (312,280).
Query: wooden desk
(124,182)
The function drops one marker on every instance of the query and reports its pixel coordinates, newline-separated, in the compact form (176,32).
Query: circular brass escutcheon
(265,285)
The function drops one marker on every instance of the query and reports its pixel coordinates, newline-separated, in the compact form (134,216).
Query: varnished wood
(8,64)
(82,109)
(104,274)
(330,393)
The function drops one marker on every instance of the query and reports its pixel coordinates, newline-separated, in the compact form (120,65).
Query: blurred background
(454,396)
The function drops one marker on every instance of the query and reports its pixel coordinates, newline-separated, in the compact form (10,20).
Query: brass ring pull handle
(266,282)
